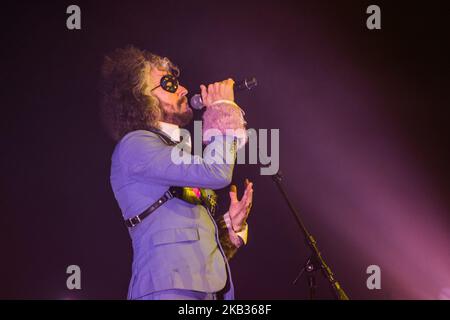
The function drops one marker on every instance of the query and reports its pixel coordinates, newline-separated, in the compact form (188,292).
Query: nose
(182,91)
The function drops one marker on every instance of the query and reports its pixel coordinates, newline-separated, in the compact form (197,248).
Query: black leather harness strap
(138,219)
(169,194)
(173,192)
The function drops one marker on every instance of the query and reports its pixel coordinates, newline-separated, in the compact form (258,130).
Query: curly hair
(124,105)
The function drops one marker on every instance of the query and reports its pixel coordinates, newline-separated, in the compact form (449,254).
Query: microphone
(196,101)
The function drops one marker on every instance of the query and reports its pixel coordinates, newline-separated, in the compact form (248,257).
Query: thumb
(233,193)
(204,94)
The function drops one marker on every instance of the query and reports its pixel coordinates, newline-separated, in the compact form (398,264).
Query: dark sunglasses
(169,83)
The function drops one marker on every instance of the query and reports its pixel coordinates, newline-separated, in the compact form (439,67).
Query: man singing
(181,246)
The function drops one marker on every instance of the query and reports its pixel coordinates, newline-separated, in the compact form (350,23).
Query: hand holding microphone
(223,90)
(218,91)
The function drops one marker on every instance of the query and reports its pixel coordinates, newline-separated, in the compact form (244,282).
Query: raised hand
(240,209)
(218,91)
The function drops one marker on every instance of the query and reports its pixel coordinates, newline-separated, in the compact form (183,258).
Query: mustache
(181,101)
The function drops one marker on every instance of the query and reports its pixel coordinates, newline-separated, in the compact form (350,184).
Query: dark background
(363,118)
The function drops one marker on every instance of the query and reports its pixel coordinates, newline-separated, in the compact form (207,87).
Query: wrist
(233,235)
(225,119)
(231,102)
(237,228)
(232,226)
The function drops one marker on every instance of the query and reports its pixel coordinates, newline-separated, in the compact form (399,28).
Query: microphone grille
(196,102)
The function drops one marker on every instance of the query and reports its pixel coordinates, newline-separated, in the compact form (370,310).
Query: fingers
(211,90)
(217,91)
(239,210)
(248,185)
(233,194)
(204,94)
(217,88)
(249,199)
(227,89)
(248,190)
(248,195)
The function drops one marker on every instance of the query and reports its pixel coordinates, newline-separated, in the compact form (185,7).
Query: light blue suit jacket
(180,245)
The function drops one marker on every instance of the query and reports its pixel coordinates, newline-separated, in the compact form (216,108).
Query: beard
(178,117)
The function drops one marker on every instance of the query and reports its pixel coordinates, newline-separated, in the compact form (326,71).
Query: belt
(169,194)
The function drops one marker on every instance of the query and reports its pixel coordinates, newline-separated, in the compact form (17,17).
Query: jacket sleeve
(147,159)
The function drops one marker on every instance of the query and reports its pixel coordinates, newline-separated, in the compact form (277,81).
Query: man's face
(173,105)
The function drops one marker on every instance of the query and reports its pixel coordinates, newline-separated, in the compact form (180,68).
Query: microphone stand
(315,261)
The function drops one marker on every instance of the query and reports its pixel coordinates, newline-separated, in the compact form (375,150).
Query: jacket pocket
(175,235)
